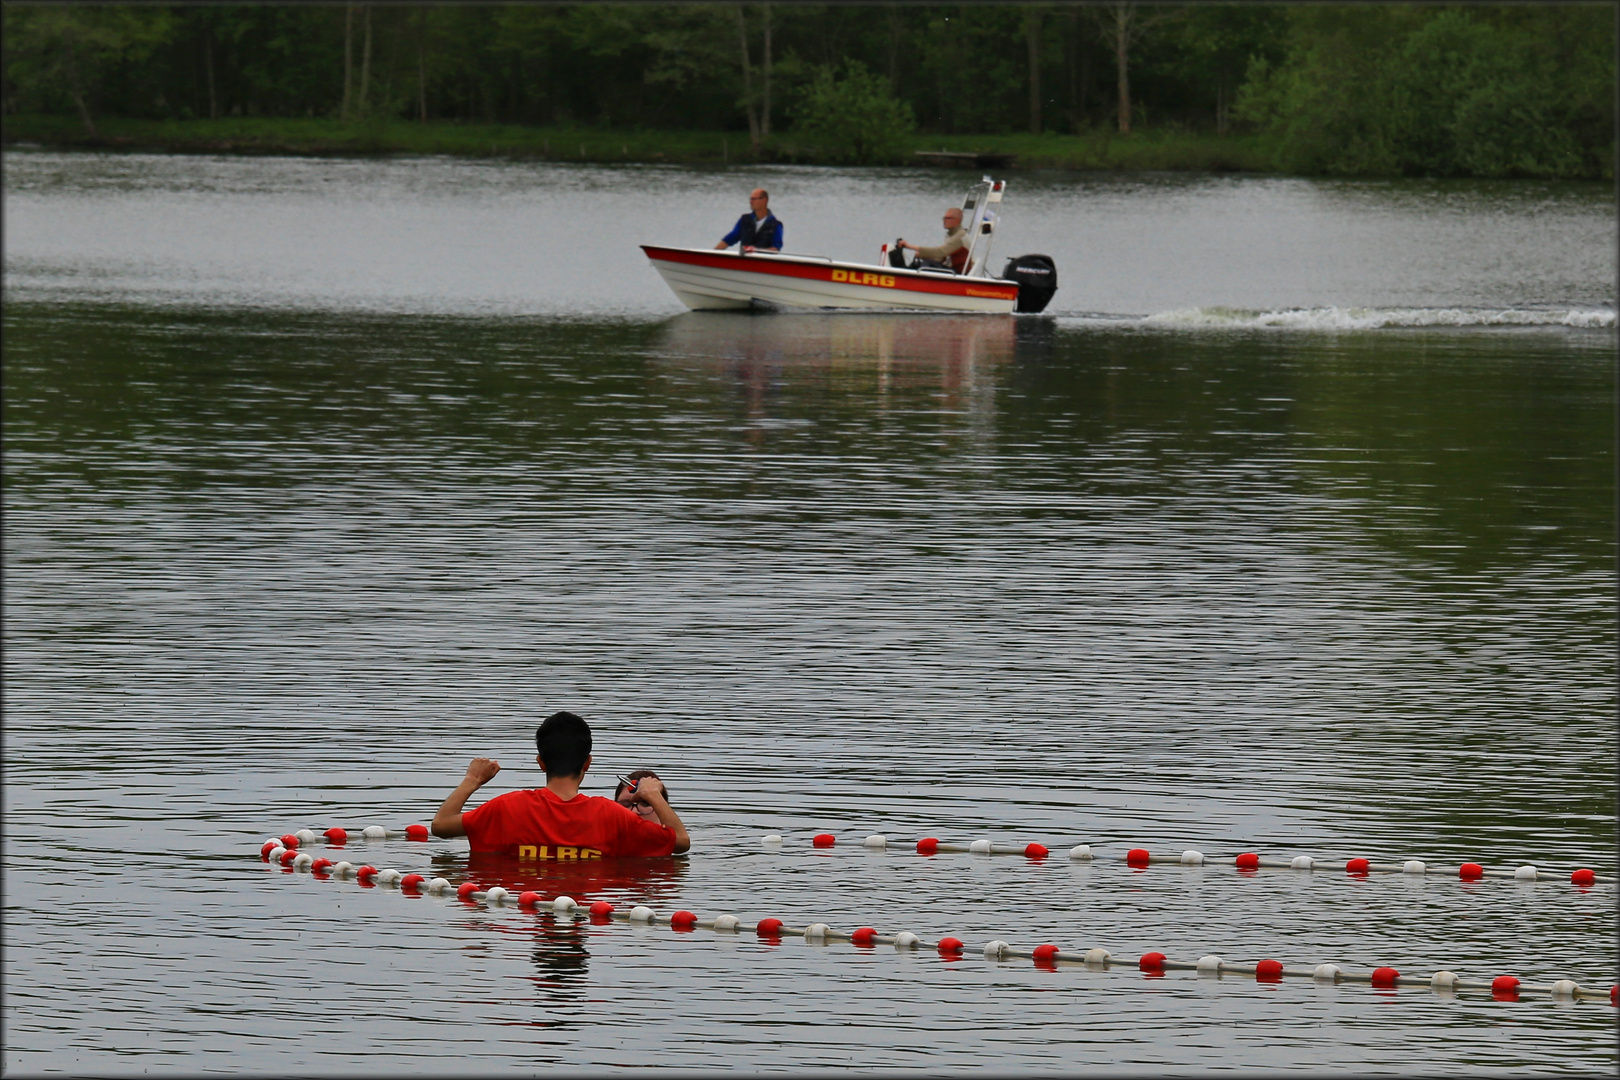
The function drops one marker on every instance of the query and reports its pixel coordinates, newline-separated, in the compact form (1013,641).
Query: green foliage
(967,68)
(64,51)
(1504,90)
(1437,92)
(1160,149)
(1211,46)
(853,118)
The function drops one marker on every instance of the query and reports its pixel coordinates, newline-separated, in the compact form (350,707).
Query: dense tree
(1500,90)
(67,50)
(1446,92)
(856,113)
(1122,25)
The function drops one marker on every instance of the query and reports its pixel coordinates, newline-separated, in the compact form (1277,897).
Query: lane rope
(1138,857)
(1135,858)
(1051,957)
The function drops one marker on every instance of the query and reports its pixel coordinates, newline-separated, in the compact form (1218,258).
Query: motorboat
(705,279)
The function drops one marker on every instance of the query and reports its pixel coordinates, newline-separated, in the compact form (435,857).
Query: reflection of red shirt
(626,882)
(538,824)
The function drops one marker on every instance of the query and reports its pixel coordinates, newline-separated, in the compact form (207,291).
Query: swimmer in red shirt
(556,821)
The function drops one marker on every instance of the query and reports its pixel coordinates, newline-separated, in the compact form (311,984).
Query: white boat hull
(712,280)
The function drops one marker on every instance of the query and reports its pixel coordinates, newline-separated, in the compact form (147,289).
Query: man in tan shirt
(953,252)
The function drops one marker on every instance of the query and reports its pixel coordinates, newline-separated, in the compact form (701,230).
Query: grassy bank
(265,135)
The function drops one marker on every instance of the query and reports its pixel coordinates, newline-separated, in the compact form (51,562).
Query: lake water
(1293,532)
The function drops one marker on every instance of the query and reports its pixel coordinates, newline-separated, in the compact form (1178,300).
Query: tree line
(1391,89)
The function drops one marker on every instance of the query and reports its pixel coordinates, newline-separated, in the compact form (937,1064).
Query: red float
(1045,952)
(289,841)
(287,857)
(416,832)
(1614,994)
(1036,851)
(411,883)
(1385,976)
(267,847)
(1137,856)
(768,927)
(319,865)
(863,936)
(335,835)
(1268,971)
(1247,861)
(530,899)
(683,920)
(1505,988)
(949,946)
(1151,961)
(465,890)
(1470,871)
(1582,876)
(1357,866)
(366,871)
(601,907)
(928,845)
(825,839)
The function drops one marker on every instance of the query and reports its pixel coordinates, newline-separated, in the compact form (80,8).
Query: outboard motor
(1036,278)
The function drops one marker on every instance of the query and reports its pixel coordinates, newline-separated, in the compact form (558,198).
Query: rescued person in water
(629,784)
(557,821)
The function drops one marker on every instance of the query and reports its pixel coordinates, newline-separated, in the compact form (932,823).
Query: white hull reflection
(782,365)
(845,340)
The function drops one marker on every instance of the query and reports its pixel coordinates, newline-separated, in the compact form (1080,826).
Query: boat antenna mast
(981,222)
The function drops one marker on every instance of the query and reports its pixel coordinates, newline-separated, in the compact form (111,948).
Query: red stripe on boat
(877,278)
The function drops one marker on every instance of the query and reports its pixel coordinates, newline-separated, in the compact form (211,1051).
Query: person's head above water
(625,798)
(563,745)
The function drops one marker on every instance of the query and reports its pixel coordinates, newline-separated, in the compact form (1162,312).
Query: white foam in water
(1338,318)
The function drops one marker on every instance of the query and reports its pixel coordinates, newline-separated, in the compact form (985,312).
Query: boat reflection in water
(880,358)
(944,342)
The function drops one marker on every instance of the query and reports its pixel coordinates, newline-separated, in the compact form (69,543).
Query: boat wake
(1370,318)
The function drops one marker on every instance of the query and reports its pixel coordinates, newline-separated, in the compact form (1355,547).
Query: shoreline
(1174,151)
(1101,151)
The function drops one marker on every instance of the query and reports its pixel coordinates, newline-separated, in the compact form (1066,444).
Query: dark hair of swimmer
(563,741)
(633,777)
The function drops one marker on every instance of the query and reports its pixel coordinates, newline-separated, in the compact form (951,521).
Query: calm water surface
(324,477)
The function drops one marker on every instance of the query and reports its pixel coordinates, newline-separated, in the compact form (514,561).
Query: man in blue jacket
(757,230)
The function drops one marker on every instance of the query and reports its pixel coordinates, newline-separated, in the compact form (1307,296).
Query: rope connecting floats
(1134,857)
(338,835)
(1248,860)
(1048,957)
